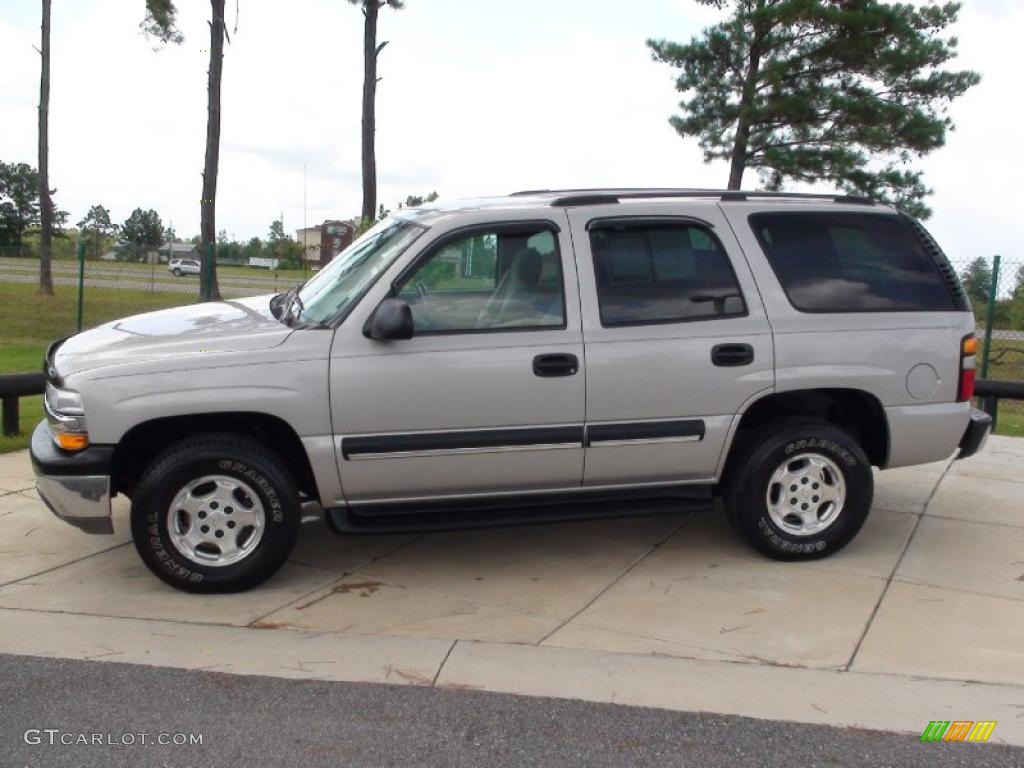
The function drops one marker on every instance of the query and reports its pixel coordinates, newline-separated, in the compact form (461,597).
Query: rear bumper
(75,486)
(977,432)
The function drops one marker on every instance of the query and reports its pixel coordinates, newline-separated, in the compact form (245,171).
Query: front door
(488,395)
(676,340)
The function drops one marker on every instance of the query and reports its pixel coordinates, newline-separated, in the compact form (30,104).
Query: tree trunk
(208,206)
(45,204)
(371,10)
(739,154)
(741,143)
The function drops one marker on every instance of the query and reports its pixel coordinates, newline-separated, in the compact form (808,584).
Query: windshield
(335,289)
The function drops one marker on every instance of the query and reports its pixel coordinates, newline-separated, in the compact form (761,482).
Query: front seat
(519,296)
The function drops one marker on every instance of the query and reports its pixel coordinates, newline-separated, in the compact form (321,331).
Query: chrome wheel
(216,520)
(805,494)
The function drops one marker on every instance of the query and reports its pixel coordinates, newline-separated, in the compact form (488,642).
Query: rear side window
(661,272)
(851,262)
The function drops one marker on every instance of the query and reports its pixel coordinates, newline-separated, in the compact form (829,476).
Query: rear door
(675,335)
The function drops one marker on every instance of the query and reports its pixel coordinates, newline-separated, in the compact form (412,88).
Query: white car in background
(179,267)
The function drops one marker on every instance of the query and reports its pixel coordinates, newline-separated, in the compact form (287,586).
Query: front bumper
(976,434)
(75,486)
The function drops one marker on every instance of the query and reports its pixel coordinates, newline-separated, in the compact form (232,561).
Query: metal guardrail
(992,390)
(17,385)
(14,386)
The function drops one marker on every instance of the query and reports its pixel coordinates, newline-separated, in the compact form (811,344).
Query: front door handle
(556,364)
(728,355)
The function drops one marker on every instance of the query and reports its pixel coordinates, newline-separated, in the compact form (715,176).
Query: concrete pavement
(920,618)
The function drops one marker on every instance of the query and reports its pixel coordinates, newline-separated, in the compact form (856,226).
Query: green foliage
(280,246)
(141,232)
(161,22)
(277,231)
(414,200)
(19,201)
(253,249)
(977,279)
(1018,284)
(97,230)
(848,93)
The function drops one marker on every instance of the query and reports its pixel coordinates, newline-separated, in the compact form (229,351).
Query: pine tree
(847,92)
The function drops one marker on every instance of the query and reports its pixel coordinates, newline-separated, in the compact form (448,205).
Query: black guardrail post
(12,387)
(10,416)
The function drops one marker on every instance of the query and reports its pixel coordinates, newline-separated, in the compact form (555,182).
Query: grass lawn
(1006,361)
(29,322)
(31,414)
(143,270)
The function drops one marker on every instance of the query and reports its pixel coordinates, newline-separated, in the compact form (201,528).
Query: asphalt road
(257,721)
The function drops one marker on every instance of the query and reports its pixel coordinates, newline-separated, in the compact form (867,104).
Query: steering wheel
(421,289)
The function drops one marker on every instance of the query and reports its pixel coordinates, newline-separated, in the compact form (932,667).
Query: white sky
(477,98)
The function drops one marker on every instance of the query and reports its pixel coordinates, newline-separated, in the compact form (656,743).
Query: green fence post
(990,312)
(80,252)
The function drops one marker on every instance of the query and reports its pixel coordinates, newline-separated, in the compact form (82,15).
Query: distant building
(323,242)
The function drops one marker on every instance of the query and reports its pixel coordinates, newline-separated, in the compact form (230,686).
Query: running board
(422,517)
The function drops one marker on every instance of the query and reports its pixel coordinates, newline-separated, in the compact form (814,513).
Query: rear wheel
(215,513)
(177,272)
(799,490)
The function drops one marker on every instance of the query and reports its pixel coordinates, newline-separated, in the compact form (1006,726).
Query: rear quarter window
(851,262)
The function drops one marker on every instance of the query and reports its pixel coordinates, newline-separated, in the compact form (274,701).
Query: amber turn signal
(970,346)
(72,442)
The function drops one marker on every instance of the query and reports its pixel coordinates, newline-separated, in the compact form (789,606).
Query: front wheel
(177,272)
(799,490)
(215,513)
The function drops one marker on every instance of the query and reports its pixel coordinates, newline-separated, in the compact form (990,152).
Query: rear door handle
(555,364)
(728,355)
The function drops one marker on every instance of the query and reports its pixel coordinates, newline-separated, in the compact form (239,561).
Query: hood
(238,325)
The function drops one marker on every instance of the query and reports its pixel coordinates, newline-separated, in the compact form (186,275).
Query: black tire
(228,455)
(764,451)
(177,272)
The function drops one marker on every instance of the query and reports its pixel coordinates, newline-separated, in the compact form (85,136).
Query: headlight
(66,415)
(63,401)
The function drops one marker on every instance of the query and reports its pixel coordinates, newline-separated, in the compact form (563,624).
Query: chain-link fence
(996,289)
(113,287)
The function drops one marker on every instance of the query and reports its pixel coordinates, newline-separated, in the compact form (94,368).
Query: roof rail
(568,197)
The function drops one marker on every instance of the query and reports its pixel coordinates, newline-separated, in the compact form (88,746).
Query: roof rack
(572,197)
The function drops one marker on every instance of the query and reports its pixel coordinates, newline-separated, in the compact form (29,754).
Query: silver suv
(179,267)
(536,357)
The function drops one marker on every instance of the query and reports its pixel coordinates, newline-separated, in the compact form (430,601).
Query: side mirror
(391,320)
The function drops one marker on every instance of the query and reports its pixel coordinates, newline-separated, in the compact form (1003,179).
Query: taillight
(968,348)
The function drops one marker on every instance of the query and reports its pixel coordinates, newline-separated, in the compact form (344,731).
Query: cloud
(474,99)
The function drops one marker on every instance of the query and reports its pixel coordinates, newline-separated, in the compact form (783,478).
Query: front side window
(850,262)
(505,278)
(661,272)
(336,288)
